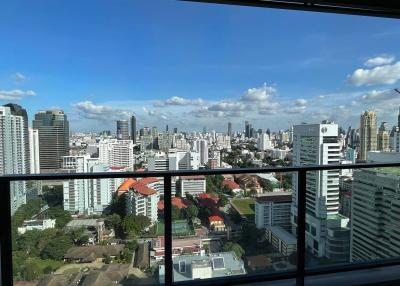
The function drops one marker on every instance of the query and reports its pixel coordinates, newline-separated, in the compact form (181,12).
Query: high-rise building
(175,130)
(383,137)
(34,151)
(201,146)
(263,142)
(247,127)
(122,130)
(229,128)
(273,210)
(13,156)
(318,144)
(133,129)
(368,133)
(17,110)
(398,118)
(375,214)
(89,196)
(117,153)
(53,129)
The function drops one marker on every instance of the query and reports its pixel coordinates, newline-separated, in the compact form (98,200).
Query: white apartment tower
(13,152)
(34,150)
(318,144)
(117,153)
(264,142)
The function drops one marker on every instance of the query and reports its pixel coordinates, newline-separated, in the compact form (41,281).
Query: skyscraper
(230,128)
(247,127)
(14,158)
(398,118)
(368,133)
(318,144)
(53,129)
(122,130)
(383,137)
(34,151)
(133,129)
(201,146)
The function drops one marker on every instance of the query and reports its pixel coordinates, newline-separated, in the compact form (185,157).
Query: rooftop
(283,235)
(388,170)
(275,197)
(232,265)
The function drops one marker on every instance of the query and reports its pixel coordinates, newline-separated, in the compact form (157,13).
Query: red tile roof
(149,180)
(215,218)
(231,184)
(139,186)
(180,203)
(126,185)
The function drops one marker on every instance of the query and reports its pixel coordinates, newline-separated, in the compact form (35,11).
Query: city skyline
(203,64)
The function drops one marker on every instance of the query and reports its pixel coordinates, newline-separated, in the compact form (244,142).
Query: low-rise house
(93,253)
(235,188)
(216,223)
(108,275)
(94,228)
(38,224)
(179,247)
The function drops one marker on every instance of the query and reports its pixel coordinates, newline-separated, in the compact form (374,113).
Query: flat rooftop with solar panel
(223,264)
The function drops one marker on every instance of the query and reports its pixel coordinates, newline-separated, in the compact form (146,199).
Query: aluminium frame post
(5,233)
(168,230)
(301,227)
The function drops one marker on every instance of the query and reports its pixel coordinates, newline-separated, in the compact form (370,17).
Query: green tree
(61,216)
(223,201)
(192,211)
(266,185)
(175,213)
(134,224)
(31,270)
(56,247)
(117,205)
(132,245)
(235,247)
(113,221)
(53,195)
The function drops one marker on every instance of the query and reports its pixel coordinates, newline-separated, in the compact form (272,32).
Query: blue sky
(192,65)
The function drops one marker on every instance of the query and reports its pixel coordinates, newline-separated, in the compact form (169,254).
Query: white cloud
(263,93)
(301,102)
(379,61)
(155,113)
(15,94)
(90,110)
(180,101)
(227,106)
(19,77)
(296,109)
(386,74)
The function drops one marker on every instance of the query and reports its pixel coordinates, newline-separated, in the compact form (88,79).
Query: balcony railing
(299,274)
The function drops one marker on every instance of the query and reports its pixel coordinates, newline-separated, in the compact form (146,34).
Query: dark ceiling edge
(361,8)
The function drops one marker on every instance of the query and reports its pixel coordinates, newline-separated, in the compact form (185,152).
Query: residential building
(273,209)
(229,129)
(117,153)
(53,129)
(193,185)
(180,246)
(122,130)
(263,142)
(216,223)
(13,156)
(318,144)
(34,151)
(368,133)
(141,197)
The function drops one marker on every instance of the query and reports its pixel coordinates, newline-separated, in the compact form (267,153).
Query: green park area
(244,207)
(179,228)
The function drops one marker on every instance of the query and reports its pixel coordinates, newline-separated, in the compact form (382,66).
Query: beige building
(383,138)
(368,133)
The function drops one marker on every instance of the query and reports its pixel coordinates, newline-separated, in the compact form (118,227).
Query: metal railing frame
(299,274)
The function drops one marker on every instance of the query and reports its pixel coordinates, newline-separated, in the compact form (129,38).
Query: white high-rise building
(117,153)
(201,146)
(264,142)
(178,160)
(13,157)
(318,144)
(34,150)
(87,196)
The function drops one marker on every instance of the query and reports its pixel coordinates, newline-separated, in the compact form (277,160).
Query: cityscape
(96,230)
(190,89)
